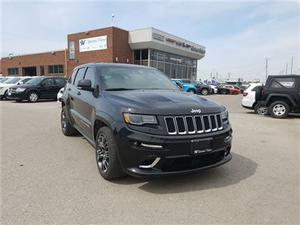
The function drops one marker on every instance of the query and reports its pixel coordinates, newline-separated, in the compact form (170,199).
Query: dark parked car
(280,95)
(43,87)
(141,124)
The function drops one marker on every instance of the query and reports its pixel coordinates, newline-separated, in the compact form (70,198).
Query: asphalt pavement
(48,178)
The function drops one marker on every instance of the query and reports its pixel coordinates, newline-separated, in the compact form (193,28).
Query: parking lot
(47,178)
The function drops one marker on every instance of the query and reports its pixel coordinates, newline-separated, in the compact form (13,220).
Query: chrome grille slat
(191,124)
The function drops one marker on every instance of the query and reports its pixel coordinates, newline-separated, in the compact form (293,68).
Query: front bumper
(16,96)
(139,158)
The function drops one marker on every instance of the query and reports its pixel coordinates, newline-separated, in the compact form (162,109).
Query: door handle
(69,89)
(78,93)
(72,98)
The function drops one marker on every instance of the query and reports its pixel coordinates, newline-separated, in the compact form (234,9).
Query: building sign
(72,50)
(92,44)
(178,43)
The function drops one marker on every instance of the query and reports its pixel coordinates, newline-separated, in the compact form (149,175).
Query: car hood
(7,85)
(162,102)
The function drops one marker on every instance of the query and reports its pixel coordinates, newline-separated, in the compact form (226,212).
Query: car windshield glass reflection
(135,78)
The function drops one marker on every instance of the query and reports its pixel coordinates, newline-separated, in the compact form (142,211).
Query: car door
(82,123)
(47,88)
(84,103)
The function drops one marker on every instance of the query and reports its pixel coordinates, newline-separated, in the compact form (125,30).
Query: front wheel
(204,91)
(33,97)
(279,109)
(191,91)
(106,155)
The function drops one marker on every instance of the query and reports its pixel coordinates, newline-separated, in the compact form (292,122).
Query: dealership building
(173,55)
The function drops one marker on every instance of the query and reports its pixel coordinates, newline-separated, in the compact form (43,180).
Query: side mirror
(85,85)
(21,82)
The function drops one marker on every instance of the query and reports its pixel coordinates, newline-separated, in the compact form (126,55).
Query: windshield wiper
(120,89)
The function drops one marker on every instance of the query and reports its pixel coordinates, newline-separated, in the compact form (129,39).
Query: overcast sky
(238,35)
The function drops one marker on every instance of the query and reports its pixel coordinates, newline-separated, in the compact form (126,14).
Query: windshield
(35,80)
(12,81)
(3,80)
(124,78)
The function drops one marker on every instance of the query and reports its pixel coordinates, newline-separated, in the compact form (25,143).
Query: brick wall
(117,46)
(35,60)
(118,51)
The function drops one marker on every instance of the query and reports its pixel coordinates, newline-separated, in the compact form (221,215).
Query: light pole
(267,64)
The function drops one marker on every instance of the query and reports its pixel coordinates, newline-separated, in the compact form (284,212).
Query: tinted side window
(48,82)
(90,75)
(79,76)
(60,82)
(286,82)
(72,77)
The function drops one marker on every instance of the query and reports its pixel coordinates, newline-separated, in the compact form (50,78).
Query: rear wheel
(260,110)
(33,97)
(204,91)
(106,155)
(279,109)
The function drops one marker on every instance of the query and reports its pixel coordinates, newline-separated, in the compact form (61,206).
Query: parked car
(280,95)
(228,89)
(243,87)
(9,83)
(42,87)
(249,99)
(214,89)
(194,86)
(3,79)
(60,94)
(141,124)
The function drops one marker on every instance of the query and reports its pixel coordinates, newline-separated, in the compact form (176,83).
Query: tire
(19,100)
(204,91)
(107,155)
(279,109)
(191,91)
(66,126)
(33,96)
(260,110)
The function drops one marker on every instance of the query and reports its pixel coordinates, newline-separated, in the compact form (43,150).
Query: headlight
(20,89)
(136,119)
(224,115)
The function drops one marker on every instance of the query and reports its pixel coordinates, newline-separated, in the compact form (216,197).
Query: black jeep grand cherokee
(141,124)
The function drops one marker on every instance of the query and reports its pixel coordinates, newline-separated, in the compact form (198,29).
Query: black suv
(43,87)
(142,124)
(280,95)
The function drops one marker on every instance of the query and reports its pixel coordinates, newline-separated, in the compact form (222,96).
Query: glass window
(79,76)
(60,82)
(48,82)
(13,71)
(137,55)
(56,68)
(283,82)
(134,78)
(145,54)
(90,75)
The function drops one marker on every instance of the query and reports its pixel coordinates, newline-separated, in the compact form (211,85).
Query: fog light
(227,139)
(151,146)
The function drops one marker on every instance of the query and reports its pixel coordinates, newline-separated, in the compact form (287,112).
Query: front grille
(193,124)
